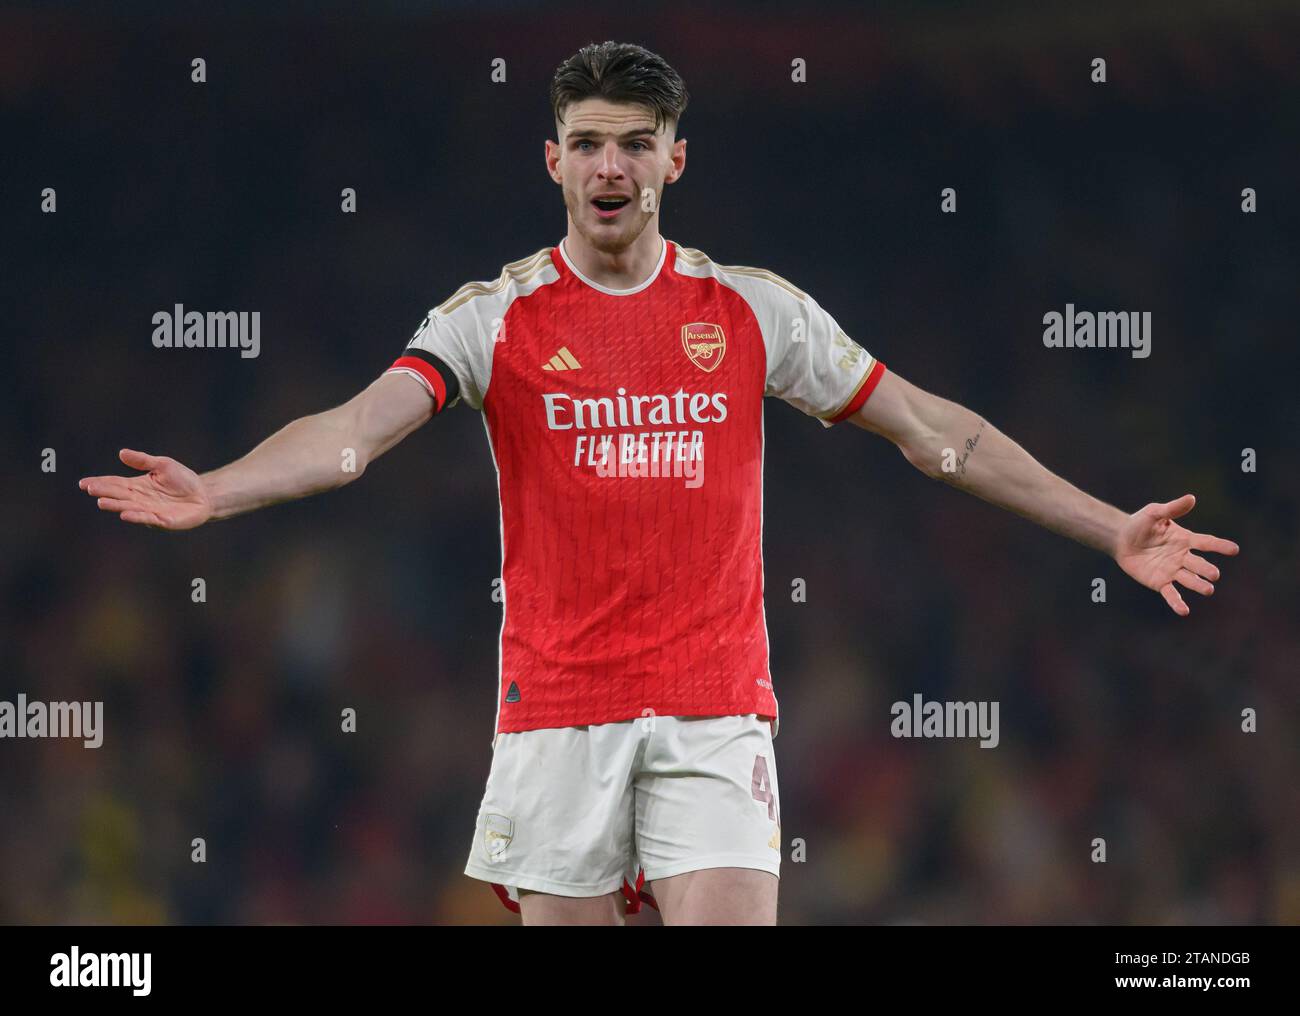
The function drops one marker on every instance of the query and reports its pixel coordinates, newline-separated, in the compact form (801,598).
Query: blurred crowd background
(222,719)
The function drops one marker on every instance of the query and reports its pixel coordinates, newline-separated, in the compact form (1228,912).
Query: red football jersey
(626,427)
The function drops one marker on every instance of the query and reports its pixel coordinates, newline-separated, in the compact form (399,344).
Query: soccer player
(621,378)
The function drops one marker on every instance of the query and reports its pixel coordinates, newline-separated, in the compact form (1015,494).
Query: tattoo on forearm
(971,442)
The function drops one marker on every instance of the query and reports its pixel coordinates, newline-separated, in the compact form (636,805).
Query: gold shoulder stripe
(520,272)
(698,259)
(763,273)
(522,263)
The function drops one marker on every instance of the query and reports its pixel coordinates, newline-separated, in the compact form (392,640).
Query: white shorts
(585,811)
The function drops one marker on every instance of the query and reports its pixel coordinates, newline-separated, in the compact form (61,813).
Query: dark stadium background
(1119,720)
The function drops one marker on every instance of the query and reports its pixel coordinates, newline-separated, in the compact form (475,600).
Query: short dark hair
(620,72)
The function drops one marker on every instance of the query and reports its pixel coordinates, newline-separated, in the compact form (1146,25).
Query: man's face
(612,149)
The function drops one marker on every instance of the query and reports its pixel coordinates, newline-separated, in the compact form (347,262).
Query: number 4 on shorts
(761,785)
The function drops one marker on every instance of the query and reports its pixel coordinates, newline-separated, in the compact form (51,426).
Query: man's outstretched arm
(305,457)
(948,442)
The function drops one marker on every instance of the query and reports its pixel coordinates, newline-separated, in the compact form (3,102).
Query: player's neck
(626,269)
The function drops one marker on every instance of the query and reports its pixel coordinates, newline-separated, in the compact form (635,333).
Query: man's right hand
(168,495)
(308,455)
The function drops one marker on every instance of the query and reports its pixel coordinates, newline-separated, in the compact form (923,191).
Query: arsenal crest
(498,831)
(704,343)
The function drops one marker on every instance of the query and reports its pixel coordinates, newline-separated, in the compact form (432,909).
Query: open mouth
(607,208)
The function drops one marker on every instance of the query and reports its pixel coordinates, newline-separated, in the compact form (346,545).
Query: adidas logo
(563,360)
(512,695)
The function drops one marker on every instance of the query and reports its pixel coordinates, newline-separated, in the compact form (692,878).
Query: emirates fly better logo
(632,454)
(649,453)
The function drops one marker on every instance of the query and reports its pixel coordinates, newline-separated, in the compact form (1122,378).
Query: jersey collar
(663,258)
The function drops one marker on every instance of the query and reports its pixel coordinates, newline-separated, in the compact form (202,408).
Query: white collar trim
(663,256)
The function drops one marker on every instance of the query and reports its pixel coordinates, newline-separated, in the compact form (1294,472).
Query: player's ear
(678,157)
(552,160)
